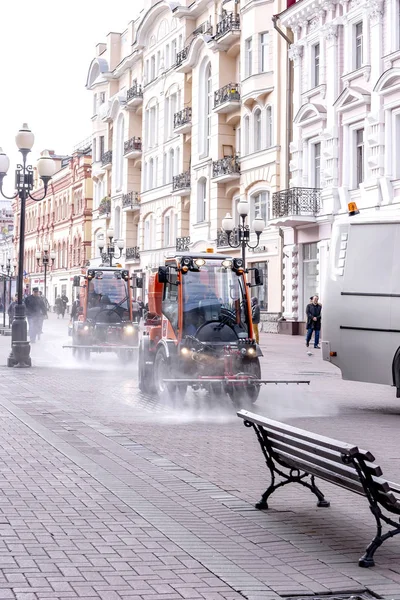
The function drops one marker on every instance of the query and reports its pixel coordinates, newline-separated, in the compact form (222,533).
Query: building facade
(188,118)
(346,131)
(62,221)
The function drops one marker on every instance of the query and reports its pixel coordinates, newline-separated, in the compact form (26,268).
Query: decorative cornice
(295,52)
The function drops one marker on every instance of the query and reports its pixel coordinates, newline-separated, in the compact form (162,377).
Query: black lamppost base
(20,347)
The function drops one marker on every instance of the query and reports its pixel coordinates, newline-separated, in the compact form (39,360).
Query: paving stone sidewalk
(108,495)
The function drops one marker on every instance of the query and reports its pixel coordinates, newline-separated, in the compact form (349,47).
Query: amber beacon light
(353,210)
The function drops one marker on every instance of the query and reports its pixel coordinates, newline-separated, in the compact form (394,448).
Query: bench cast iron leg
(322,502)
(368,559)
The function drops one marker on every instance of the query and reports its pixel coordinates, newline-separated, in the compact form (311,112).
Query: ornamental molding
(295,52)
(374,8)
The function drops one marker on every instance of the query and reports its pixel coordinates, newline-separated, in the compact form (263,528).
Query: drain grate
(348,596)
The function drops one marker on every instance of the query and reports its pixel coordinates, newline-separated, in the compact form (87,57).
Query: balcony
(134,96)
(182,244)
(295,206)
(226,169)
(132,254)
(133,147)
(105,207)
(222,238)
(227,99)
(203,29)
(183,120)
(181,184)
(106,160)
(227,32)
(130,201)
(180,60)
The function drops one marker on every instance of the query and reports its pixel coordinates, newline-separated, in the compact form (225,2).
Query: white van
(361,312)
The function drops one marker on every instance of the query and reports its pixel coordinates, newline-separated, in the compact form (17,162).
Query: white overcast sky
(46,48)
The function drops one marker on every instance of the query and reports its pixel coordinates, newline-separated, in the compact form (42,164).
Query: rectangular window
(260,292)
(158,61)
(153,68)
(359,156)
(101,146)
(317,165)
(147,71)
(167,230)
(173,52)
(310,271)
(259,208)
(264,50)
(94,157)
(94,104)
(102,97)
(358,31)
(173,109)
(248,55)
(315,51)
(396,154)
(164,169)
(147,234)
(167,65)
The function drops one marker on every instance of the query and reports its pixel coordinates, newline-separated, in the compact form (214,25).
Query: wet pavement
(108,493)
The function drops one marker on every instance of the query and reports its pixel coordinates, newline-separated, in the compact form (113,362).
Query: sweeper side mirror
(77,281)
(162,275)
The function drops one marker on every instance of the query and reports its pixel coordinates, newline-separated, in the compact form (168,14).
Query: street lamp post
(45,257)
(110,247)
(242,232)
(20,347)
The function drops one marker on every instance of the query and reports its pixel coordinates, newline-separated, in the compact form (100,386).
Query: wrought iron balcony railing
(105,206)
(182,56)
(228,93)
(205,27)
(132,253)
(133,144)
(222,238)
(183,117)
(229,165)
(135,91)
(229,23)
(130,199)
(296,201)
(182,244)
(106,159)
(181,181)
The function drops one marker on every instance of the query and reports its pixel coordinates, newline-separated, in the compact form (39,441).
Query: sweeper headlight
(227,264)
(186,264)
(199,262)
(129,329)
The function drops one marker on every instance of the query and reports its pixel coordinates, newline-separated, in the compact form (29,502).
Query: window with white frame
(165,173)
(257,130)
(316,165)
(171,164)
(358,45)
(259,206)
(177,160)
(359,142)
(202,200)
(269,127)
(264,52)
(248,57)
(205,104)
(158,62)
(151,174)
(315,65)
(152,68)
(94,150)
(147,71)
(209,107)
(117,223)
(173,52)
(119,162)
(147,232)
(396,153)
(144,179)
(173,107)
(152,126)
(101,139)
(246,140)
(102,97)
(168,229)
(310,271)
(167,57)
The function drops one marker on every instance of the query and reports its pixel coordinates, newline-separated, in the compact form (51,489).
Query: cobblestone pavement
(109,494)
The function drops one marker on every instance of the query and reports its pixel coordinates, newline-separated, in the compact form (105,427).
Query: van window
(369,258)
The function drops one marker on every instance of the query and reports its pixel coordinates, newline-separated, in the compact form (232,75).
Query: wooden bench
(298,456)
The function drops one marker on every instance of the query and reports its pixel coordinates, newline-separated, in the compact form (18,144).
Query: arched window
(59,260)
(119,163)
(269,131)
(151,174)
(117,223)
(177,160)
(168,228)
(201,200)
(257,130)
(205,109)
(246,141)
(74,253)
(149,233)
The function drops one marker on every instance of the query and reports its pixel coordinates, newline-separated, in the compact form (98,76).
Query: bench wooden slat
(335,466)
(301,434)
(333,456)
(388,500)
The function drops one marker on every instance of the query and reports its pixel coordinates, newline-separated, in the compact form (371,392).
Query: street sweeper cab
(103,317)
(198,330)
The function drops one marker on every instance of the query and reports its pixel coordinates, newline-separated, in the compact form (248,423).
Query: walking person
(255,310)
(35,310)
(59,306)
(313,312)
(65,301)
(136,311)
(45,308)
(11,309)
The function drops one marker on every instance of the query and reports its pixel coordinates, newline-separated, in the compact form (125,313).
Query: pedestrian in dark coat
(256,316)
(313,312)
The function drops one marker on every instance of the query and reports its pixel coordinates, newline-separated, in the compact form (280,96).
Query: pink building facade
(346,130)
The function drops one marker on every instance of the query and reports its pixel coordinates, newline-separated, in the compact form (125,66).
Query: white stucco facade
(346,135)
(191,101)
